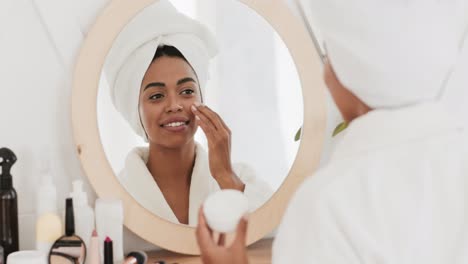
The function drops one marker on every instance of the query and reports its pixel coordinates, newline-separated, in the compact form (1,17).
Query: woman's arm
(219,147)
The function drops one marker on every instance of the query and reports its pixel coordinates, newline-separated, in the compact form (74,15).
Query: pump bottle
(8,205)
(84,214)
(48,225)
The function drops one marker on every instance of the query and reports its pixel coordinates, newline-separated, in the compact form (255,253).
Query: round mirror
(264,84)
(68,250)
(253,86)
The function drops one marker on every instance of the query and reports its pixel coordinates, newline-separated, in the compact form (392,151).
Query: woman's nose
(173,105)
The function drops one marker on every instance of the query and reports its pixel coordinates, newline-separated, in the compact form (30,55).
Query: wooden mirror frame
(168,235)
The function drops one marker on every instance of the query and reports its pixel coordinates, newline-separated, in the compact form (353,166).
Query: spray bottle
(8,205)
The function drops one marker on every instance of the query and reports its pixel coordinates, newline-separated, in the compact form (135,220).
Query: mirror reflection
(204,96)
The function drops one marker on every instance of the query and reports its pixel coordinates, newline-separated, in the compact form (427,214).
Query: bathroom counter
(259,253)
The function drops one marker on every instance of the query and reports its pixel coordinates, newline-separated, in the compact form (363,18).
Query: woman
(396,188)
(162,101)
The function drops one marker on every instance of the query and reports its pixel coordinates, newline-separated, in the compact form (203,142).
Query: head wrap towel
(392,53)
(132,52)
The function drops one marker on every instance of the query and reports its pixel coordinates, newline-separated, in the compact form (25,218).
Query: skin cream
(223,210)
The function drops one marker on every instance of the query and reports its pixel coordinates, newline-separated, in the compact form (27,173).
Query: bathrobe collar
(382,128)
(136,175)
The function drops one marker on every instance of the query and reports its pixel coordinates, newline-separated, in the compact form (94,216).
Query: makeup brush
(136,257)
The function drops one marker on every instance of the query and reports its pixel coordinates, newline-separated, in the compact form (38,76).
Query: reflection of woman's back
(173,176)
(157,75)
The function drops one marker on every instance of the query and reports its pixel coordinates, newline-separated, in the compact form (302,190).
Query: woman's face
(169,88)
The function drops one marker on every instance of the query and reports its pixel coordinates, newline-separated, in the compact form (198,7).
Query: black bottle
(8,205)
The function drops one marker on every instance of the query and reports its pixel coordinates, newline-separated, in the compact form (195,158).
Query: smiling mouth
(176,124)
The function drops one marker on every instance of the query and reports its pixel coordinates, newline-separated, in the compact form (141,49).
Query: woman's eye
(156,96)
(187,91)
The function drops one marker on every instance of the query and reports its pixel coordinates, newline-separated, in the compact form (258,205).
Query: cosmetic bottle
(8,204)
(84,214)
(109,223)
(48,224)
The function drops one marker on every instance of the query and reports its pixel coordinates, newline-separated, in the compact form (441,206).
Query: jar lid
(27,257)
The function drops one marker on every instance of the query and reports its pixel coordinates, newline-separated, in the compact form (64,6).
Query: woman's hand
(213,252)
(219,147)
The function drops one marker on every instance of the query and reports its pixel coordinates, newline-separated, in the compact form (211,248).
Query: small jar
(27,257)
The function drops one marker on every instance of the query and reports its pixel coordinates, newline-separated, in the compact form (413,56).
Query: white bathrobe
(395,191)
(137,180)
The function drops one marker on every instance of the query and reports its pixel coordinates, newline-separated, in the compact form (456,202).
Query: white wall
(35,69)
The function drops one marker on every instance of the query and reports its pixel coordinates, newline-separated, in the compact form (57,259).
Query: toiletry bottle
(8,204)
(49,224)
(84,214)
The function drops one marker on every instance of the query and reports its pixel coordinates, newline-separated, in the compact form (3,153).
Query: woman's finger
(217,120)
(202,114)
(241,233)
(204,233)
(203,122)
(211,115)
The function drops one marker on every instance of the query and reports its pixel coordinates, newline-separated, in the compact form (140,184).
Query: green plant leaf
(297,137)
(339,128)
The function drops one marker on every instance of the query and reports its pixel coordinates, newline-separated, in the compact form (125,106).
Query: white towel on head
(392,53)
(134,48)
